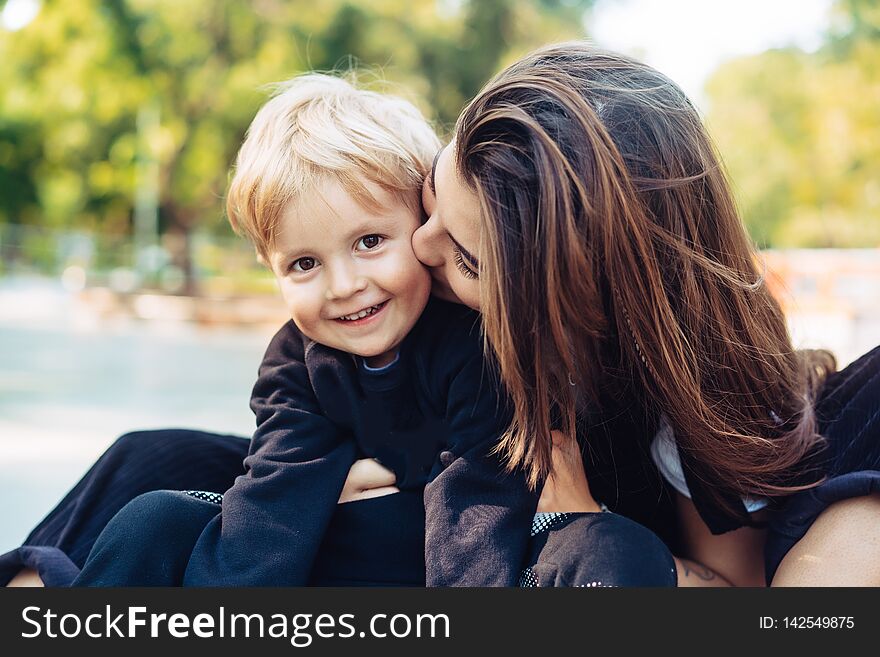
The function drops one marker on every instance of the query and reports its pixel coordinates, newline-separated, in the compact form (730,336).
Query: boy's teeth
(362,313)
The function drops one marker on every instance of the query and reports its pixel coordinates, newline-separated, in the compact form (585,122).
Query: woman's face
(449,239)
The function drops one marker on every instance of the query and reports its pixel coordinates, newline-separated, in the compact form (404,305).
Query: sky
(688,39)
(18,13)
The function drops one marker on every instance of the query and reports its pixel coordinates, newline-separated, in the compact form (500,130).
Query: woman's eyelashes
(461,265)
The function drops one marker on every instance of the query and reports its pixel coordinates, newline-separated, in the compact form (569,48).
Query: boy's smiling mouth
(363,315)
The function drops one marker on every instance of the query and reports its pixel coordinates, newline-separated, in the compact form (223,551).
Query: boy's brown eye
(370,241)
(303,264)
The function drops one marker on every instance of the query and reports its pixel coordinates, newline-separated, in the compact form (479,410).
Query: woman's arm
(694,575)
(736,556)
(567,490)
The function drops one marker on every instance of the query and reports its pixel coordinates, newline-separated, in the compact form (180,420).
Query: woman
(581,207)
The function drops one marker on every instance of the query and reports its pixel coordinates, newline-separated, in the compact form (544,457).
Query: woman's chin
(442,291)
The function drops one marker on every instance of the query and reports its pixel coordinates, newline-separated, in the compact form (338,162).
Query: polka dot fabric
(214,498)
(545,522)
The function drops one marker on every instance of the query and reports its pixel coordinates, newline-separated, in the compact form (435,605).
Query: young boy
(327,186)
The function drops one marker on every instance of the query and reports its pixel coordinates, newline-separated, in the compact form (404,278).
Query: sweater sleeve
(477,515)
(275,515)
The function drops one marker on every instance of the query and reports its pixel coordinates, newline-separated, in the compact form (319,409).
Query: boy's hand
(367,478)
(566,489)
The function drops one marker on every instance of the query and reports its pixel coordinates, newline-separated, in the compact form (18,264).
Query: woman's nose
(426,243)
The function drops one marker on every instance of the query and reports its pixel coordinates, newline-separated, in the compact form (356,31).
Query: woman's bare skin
(26,578)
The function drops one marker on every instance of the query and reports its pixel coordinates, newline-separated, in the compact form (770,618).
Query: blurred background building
(126,302)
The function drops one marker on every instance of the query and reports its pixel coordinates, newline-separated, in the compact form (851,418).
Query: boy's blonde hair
(320,127)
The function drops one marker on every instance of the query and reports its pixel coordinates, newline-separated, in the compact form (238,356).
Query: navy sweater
(432,417)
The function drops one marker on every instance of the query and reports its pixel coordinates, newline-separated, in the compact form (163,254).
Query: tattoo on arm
(698,570)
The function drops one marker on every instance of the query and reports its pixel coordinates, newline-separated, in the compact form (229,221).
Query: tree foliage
(75,80)
(801,137)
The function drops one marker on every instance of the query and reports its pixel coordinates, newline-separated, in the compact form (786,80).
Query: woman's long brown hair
(610,242)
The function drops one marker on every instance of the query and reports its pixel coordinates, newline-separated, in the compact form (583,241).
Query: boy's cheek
(421,277)
(289,297)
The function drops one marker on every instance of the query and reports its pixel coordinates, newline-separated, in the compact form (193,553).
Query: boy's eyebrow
(433,172)
(466,254)
(373,226)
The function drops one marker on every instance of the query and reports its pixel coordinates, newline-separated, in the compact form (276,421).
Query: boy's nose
(426,245)
(344,282)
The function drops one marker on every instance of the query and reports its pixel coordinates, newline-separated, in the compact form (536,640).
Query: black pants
(136,463)
(584,549)
(378,541)
(374,542)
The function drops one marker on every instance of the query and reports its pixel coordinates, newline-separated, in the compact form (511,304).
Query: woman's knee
(166,456)
(148,542)
(161,513)
(143,446)
(602,549)
(144,452)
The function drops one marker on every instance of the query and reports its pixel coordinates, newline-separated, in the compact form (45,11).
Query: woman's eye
(370,242)
(303,264)
(462,266)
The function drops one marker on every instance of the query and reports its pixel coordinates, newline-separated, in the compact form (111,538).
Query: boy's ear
(261,259)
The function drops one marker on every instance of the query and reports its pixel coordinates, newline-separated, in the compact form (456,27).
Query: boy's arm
(275,515)
(477,516)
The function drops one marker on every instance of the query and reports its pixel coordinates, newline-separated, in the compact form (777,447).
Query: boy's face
(348,274)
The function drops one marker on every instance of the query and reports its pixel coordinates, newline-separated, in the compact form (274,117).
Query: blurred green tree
(800,135)
(76,80)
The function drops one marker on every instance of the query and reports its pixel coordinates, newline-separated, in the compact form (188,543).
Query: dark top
(615,443)
(432,417)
